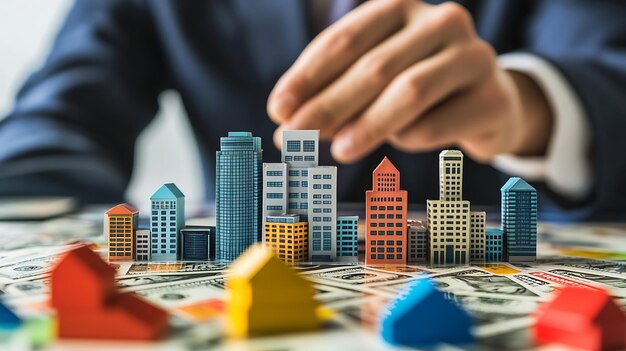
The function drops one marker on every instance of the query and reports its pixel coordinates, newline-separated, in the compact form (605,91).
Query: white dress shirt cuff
(566,167)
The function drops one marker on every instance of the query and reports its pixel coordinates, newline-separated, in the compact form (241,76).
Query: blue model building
(494,245)
(8,319)
(238,194)
(422,316)
(347,238)
(198,243)
(167,218)
(519,220)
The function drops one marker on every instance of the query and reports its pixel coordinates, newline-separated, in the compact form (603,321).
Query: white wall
(27,28)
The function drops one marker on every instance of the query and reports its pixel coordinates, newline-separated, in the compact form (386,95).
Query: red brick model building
(385,220)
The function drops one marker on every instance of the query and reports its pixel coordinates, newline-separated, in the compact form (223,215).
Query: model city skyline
(291,207)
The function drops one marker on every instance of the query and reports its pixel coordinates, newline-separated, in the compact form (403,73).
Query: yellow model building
(287,236)
(266,296)
(121,223)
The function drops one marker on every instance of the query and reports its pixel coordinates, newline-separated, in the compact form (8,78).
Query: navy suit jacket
(76,120)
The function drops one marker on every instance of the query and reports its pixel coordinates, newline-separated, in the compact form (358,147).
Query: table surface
(501,298)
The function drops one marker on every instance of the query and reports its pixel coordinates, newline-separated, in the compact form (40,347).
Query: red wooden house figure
(89,306)
(582,318)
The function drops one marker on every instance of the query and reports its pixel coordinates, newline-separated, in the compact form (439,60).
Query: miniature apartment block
(421,317)
(287,236)
(167,218)
(385,221)
(494,245)
(582,319)
(238,194)
(121,222)
(347,238)
(300,151)
(142,245)
(93,308)
(299,185)
(519,220)
(268,297)
(449,244)
(449,217)
(477,236)
(274,189)
(198,243)
(417,242)
(322,213)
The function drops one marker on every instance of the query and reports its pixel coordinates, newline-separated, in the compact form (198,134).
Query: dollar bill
(312,267)
(24,235)
(136,268)
(29,268)
(602,267)
(142,281)
(178,294)
(410,270)
(331,294)
(488,309)
(354,275)
(24,288)
(537,285)
(514,339)
(616,285)
(559,280)
(478,281)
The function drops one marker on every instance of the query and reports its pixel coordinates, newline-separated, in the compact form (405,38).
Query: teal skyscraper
(238,194)
(167,218)
(519,220)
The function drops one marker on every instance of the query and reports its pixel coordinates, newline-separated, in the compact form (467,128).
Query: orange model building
(288,237)
(385,219)
(88,305)
(121,222)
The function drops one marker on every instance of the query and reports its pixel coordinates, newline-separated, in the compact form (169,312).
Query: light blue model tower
(347,238)
(238,194)
(494,247)
(167,218)
(519,220)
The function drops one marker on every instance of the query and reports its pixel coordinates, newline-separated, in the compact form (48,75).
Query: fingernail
(278,137)
(282,105)
(341,148)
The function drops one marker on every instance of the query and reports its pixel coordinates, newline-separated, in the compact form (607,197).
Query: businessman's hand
(413,75)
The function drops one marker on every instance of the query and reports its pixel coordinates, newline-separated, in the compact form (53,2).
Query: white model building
(298,185)
(449,217)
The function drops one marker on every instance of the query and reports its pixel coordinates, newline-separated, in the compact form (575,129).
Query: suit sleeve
(586,41)
(75,121)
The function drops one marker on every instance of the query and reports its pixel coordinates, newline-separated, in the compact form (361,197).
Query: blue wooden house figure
(422,316)
(8,319)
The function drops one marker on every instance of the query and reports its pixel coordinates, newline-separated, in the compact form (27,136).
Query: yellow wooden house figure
(266,296)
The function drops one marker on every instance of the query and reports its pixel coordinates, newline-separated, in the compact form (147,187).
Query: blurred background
(28,28)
